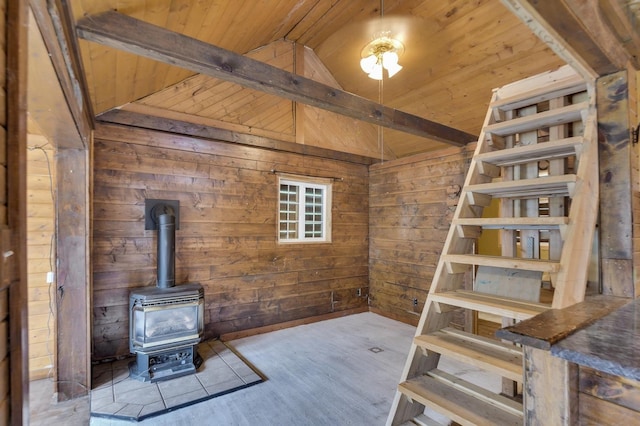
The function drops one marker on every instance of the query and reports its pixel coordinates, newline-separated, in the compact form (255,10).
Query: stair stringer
(578,233)
(432,318)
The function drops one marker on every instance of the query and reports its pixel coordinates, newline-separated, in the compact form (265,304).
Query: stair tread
(462,401)
(553,222)
(488,354)
(530,153)
(421,420)
(561,185)
(540,93)
(527,123)
(497,305)
(539,265)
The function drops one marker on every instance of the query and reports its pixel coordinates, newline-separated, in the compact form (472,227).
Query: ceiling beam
(52,20)
(201,131)
(597,19)
(625,26)
(546,31)
(131,35)
(578,31)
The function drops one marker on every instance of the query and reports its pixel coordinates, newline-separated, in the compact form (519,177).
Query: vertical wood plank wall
(41,254)
(4,294)
(227,237)
(412,202)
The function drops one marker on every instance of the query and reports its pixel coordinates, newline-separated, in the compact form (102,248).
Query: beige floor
(44,411)
(337,372)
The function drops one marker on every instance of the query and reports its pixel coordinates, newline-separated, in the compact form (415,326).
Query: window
(304,213)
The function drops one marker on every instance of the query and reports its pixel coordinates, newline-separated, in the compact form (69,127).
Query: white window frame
(303,183)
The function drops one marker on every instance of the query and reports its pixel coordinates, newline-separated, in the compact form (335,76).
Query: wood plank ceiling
(457,51)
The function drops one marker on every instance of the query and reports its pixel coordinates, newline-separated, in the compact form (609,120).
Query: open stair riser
(563,115)
(461,401)
(505,166)
(487,354)
(500,306)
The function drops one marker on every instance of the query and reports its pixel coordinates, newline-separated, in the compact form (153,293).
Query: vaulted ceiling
(456,52)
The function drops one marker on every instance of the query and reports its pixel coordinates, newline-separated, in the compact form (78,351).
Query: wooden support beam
(552,23)
(145,121)
(550,394)
(596,17)
(16,382)
(596,37)
(53,23)
(616,194)
(73,290)
(625,27)
(48,103)
(119,31)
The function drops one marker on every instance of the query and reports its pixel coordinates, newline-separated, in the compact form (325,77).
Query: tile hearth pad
(116,395)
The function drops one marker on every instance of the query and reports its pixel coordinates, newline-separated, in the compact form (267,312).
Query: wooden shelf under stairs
(515,137)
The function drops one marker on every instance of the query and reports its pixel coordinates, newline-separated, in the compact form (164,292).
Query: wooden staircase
(538,147)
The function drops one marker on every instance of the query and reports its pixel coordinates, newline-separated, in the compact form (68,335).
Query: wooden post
(298,108)
(634,118)
(550,382)
(550,391)
(16,125)
(73,290)
(615,153)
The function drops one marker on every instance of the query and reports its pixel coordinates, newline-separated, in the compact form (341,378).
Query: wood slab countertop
(550,327)
(610,345)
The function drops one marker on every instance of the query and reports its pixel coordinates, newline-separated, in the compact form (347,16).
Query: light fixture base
(382,43)
(381,53)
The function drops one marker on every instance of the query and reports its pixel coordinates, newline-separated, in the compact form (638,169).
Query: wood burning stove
(166,322)
(165,329)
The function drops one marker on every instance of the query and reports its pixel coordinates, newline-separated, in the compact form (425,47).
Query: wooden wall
(227,236)
(634,119)
(4,296)
(40,254)
(605,399)
(412,202)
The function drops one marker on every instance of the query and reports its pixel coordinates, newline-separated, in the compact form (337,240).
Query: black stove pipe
(166,260)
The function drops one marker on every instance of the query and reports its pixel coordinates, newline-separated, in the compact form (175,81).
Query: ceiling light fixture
(382,53)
